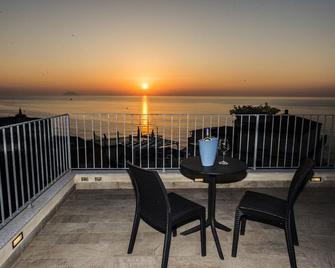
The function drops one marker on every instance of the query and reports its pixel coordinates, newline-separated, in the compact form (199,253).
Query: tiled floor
(92,229)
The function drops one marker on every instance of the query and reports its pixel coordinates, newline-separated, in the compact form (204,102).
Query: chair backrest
(151,195)
(300,178)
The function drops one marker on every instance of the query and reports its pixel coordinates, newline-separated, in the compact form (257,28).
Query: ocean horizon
(41,106)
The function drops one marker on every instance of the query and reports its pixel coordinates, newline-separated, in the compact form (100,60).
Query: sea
(42,106)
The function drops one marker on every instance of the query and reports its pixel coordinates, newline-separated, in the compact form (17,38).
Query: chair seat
(183,210)
(258,205)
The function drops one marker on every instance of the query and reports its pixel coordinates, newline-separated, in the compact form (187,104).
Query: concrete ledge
(32,219)
(105,179)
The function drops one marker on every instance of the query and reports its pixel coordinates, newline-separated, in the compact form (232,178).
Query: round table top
(233,172)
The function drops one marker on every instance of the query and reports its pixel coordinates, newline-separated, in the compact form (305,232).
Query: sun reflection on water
(145,117)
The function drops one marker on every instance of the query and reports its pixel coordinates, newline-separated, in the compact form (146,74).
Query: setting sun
(144,86)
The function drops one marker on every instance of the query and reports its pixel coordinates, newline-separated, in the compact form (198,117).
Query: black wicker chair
(272,210)
(162,211)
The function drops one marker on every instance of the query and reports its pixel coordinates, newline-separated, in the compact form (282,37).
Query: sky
(184,47)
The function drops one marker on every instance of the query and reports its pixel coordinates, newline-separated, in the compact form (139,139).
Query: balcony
(92,228)
(52,168)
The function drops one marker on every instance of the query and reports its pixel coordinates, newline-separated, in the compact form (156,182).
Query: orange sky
(177,47)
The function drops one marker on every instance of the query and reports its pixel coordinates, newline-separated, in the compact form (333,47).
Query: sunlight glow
(145,86)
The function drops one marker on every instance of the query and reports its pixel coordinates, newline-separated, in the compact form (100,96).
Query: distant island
(71,93)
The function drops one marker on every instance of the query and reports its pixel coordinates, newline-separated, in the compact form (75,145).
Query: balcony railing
(35,154)
(161,141)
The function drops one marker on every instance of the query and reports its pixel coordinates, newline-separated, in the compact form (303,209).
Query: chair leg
(290,245)
(203,235)
(166,249)
(236,232)
(243,223)
(174,232)
(294,231)
(134,232)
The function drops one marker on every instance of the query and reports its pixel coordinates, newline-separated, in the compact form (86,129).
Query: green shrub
(249,109)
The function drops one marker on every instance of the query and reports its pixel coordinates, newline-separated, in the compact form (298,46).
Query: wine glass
(224,147)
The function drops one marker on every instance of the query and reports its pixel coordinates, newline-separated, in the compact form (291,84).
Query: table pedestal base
(211,221)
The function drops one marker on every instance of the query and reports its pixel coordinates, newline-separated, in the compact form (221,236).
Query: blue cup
(208,150)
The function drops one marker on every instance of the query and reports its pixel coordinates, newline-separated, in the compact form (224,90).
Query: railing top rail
(32,121)
(202,114)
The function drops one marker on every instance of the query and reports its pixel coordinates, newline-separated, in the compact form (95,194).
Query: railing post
(68,141)
(256,141)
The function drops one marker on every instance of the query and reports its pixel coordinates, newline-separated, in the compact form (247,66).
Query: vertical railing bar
(156,148)
(322,140)
(59,147)
(101,145)
(179,141)
(203,127)
(59,164)
(225,128)
(85,145)
(64,156)
(26,160)
(264,136)
(93,142)
(117,141)
(14,168)
(68,141)
(56,147)
(140,137)
(248,139)
(256,141)
(45,153)
(19,151)
(164,118)
(31,159)
(301,136)
(286,137)
(124,142)
(309,135)
(41,155)
(37,163)
(271,140)
(109,141)
(171,141)
(293,142)
(210,125)
(77,141)
(331,144)
(187,121)
(218,127)
(241,129)
(233,138)
(49,149)
(148,141)
(195,137)
(316,137)
(64,143)
(1,202)
(279,140)
(54,155)
(9,198)
(132,139)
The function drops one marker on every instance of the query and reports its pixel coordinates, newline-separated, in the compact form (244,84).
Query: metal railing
(33,155)
(161,141)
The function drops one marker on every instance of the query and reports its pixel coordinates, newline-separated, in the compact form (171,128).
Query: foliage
(249,109)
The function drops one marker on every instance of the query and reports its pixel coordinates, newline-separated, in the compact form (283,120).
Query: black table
(233,172)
